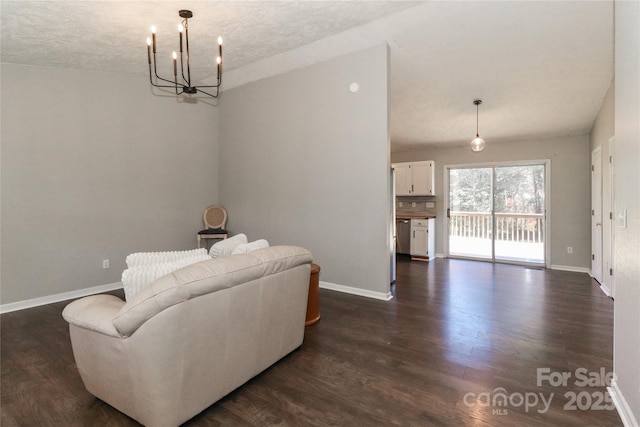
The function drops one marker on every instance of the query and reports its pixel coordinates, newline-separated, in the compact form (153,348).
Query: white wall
(304,161)
(570,188)
(626,346)
(95,167)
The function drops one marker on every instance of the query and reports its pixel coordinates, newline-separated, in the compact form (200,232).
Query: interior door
(596,214)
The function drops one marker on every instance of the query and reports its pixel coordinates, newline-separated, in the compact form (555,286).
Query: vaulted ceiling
(542,68)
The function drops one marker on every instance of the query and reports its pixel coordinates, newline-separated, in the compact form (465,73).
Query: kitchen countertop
(402,216)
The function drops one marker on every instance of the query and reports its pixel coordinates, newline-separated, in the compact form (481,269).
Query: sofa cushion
(245,248)
(203,278)
(136,278)
(225,247)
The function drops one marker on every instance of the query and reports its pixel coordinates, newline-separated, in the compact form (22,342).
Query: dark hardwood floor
(457,335)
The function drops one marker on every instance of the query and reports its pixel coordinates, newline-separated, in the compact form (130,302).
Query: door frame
(597,216)
(610,289)
(547,206)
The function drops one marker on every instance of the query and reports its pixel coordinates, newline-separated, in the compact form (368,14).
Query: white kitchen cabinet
(422,245)
(403,179)
(414,178)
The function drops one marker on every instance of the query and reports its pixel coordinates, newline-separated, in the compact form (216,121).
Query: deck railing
(509,226)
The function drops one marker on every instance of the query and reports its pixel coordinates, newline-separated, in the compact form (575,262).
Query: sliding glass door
(497,213)
(519,213)
(470,206)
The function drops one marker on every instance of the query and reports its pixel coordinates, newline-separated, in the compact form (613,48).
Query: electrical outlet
(413,204)
(430,205)
(105,263)
(569,249)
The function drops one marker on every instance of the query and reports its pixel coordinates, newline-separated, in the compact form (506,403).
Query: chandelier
(181,81)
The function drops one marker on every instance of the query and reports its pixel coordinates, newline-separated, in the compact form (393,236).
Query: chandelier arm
(155,72)
(182,69)
(160,78)
(150,75)
(166,80)
(172,86)
(207,93)
(214,86)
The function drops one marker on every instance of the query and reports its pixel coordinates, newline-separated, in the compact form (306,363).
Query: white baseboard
(356,291)
(628,419)
(605,290)
(571,268)
(440,255)
(35,302)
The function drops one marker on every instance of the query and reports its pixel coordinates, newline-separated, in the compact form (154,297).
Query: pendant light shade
(478,143)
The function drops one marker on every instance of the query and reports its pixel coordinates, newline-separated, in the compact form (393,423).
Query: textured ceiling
(542,68)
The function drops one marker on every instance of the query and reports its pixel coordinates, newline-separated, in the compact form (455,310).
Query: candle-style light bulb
(175,65)
(153,37)
(149,49)
(219,59)
(181,30)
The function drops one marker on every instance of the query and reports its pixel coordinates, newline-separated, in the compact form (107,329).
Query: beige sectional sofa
(192,336)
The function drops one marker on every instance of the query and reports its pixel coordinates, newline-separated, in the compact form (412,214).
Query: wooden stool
(313,303)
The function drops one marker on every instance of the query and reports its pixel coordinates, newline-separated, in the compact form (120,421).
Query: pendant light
(478,143)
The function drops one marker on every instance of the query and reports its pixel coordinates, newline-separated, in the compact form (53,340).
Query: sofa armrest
(95,313)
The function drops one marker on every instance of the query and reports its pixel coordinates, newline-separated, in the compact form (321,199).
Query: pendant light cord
(477,108)
(477,102)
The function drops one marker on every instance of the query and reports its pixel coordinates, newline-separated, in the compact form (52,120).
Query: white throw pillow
(149,258)
(245,248)
(136,278)
(225,247)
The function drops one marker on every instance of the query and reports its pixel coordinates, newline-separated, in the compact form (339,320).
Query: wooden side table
(313,302)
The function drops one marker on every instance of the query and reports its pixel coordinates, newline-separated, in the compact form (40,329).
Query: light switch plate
(622,218)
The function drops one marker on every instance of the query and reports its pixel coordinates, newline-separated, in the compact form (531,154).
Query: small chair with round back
(215,219)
